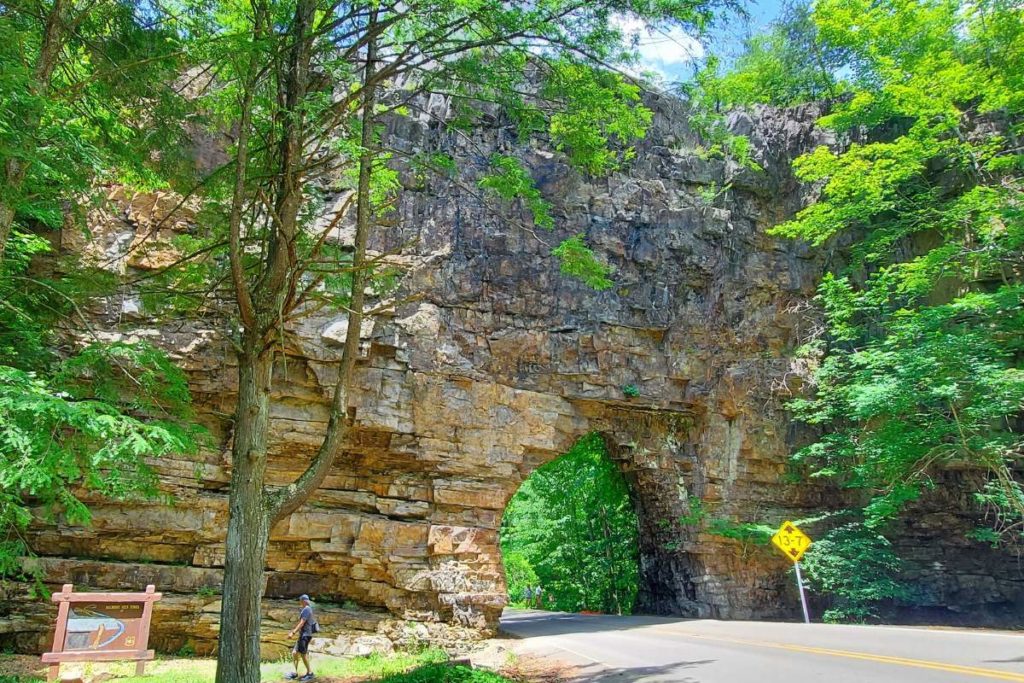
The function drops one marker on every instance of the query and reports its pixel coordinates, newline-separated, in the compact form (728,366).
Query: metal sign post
(803,598)
(794,543)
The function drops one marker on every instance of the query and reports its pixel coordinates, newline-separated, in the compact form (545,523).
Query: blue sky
(765,11)
(671,52)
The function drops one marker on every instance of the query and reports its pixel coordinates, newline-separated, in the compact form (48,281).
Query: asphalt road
(610,649)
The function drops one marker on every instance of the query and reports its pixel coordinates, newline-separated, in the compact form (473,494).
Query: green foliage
(711,192)
(985,535)
(630,390)
(445,673)
(84,101)
(744,532)
(788,64)
(77,424)
(857,569)
(510,180)
(369,667)
(186,668)
(922,364)
(579,261)
(57,447)
(571,523)
(696,512)
(708,120)
(11,678)
(936,388)
(699,516)
(919,367)
(519,575)
(600,116)
(95,109)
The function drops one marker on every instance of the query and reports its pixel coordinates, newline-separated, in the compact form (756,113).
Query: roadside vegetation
(916,378)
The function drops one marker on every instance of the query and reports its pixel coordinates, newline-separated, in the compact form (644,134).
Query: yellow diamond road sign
(791,541)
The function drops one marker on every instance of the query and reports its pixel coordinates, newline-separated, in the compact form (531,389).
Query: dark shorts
(302,645)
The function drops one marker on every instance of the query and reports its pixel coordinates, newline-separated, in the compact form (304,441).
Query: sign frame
(139,654)
(791,541)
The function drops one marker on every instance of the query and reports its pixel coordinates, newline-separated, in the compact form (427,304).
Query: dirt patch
(539,670)
(22,666)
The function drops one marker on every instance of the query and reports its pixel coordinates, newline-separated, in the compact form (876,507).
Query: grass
(370,667)
(442,673)
(427,666)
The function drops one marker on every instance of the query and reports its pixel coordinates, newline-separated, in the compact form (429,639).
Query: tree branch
(288,499)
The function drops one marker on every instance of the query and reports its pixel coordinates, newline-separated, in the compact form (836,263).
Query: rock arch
(499,367)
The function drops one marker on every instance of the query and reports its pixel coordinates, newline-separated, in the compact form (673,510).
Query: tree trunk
(287,500)
(15,170)
(613,584)
(253,509)
(238,656)
(6,223)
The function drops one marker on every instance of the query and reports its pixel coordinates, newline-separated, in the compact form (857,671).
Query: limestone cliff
(498,368)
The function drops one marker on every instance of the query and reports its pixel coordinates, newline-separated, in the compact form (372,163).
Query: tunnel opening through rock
(569,537)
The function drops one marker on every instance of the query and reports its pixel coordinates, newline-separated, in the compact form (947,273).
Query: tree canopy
(919,367)
(86,99)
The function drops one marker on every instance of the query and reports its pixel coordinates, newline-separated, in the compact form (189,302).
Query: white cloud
(663,50)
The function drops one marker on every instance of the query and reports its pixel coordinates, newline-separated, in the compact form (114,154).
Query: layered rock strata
(498,367)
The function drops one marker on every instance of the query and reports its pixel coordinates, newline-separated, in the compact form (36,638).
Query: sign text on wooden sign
(101,627)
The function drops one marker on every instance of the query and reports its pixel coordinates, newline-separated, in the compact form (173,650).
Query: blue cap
(304,597)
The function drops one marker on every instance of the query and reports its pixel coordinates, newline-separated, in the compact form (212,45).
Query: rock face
(498,368)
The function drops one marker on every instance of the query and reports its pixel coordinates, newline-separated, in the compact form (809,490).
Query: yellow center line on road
(884,659)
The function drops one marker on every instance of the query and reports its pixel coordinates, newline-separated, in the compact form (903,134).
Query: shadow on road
(519,623)
(645,649)
(675,672)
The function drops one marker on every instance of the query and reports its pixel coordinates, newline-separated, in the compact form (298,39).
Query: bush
(444,673)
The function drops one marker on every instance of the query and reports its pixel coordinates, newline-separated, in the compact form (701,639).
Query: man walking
(305,630)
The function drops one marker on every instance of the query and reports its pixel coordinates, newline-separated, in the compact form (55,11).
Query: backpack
(315,626)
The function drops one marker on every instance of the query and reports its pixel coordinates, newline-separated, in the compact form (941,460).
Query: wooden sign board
(101,627)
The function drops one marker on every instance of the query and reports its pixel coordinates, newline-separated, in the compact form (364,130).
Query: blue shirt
(307,614)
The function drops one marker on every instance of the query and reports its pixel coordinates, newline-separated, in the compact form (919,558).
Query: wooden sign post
(101,627)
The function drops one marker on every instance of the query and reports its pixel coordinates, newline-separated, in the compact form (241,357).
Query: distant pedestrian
(527,595)
(305,628)
(538,597)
